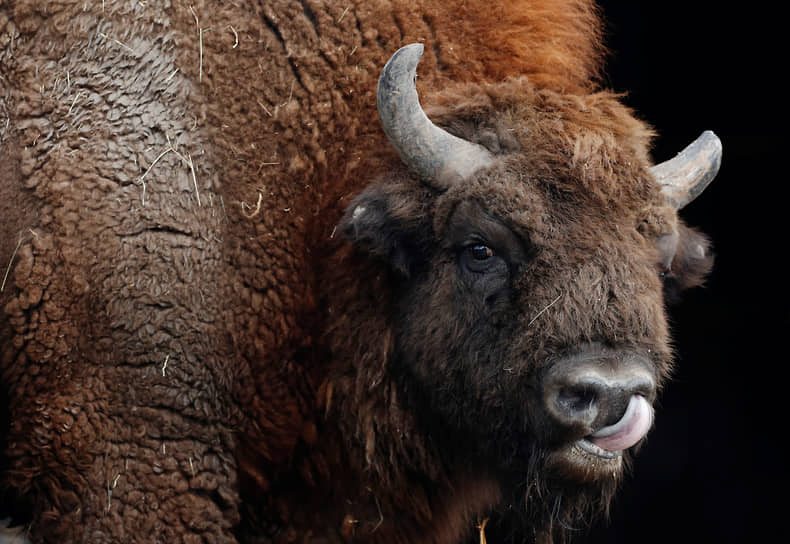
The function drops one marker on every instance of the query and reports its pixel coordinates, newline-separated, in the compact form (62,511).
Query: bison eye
(480,259)
(480,252)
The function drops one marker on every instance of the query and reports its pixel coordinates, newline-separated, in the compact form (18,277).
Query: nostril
(577,404)
(576,399)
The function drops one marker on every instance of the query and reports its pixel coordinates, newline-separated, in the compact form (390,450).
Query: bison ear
(689,263)
(388,225)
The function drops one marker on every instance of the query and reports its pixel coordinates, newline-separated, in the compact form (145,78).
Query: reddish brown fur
(167,318)
(573,132)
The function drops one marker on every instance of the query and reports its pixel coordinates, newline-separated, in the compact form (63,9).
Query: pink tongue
(629,430)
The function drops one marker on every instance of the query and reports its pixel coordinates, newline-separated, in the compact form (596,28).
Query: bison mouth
(599,454)
(610,441)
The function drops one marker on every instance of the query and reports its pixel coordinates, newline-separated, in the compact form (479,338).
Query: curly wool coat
(189,348)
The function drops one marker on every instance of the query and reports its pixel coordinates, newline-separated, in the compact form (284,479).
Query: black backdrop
(713,468)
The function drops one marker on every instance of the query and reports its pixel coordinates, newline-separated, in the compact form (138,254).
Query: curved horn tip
(684,177)
(428,150)
(407,56)
(396,78)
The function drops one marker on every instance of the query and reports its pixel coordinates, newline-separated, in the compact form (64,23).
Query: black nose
(591,390)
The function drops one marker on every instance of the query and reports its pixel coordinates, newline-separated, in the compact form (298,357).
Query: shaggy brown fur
(190,347)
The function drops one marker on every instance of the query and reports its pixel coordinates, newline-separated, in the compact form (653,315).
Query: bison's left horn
(431,152)
(684,178)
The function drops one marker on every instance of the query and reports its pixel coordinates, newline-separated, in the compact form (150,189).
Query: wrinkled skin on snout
(529,310)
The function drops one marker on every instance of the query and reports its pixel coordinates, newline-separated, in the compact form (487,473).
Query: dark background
(713,468)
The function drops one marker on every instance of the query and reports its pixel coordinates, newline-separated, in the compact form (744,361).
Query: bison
(241,304)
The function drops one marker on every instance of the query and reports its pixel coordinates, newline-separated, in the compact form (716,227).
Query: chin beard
(547,504)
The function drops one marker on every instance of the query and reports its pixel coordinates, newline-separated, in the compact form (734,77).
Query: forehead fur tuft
(586,149)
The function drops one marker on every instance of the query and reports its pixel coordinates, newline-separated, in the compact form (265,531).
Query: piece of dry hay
(11,260)
(482,528)
(255,211)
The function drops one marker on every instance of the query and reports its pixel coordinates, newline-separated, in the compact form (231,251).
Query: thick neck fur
(395,486)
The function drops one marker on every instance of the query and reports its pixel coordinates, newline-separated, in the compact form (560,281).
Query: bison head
(530,243)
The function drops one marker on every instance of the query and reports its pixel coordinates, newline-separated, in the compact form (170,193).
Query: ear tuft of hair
(691,264)
(386,227)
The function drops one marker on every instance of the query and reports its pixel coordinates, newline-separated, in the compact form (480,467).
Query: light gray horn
(431,152)
(684,177)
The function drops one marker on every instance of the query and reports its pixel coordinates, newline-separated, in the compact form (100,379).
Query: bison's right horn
(684,177)
(433,153)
